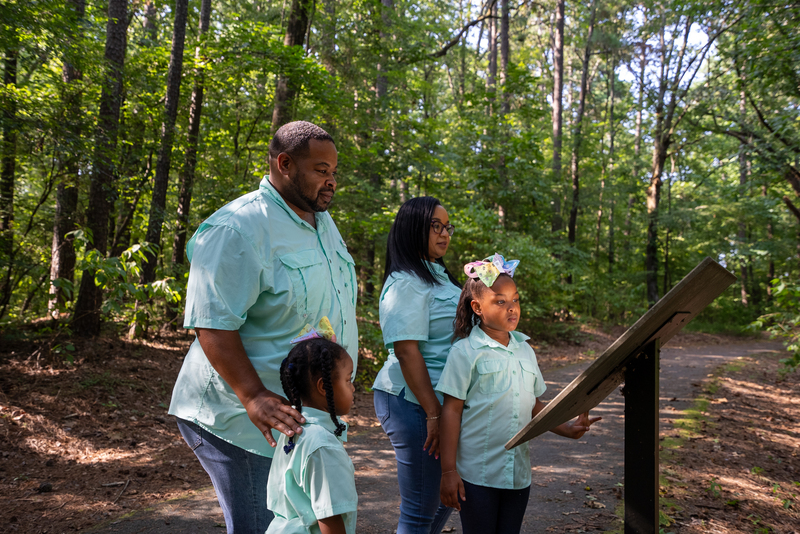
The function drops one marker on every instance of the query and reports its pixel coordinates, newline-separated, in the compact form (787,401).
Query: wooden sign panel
(696,291)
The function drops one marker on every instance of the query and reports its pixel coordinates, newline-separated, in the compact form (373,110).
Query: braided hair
(306,363)
(466,319)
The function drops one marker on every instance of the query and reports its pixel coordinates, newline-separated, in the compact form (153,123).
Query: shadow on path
(565,472)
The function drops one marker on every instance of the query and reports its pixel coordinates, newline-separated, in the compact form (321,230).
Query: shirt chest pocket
(529,375)
(347,268)
(310,279)
(493,376)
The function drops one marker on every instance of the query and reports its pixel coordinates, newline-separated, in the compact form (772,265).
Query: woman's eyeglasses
(438,227)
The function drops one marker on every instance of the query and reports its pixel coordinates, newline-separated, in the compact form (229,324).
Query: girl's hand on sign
(577,428)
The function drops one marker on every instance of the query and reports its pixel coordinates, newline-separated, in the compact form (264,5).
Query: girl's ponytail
(327,360)
(466,319)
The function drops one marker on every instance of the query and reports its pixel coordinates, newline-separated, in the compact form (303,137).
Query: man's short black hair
(293,139)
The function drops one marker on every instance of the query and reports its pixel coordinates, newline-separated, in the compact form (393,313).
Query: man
(262,267)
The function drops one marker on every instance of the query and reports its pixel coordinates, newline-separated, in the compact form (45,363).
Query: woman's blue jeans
(239,478)
(418,474)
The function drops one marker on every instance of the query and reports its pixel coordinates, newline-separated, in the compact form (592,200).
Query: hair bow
(323,330)
(489,269)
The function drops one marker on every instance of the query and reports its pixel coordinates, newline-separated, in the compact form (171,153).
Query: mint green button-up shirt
(315,480)
(499,386)
(410,309)
(258,268)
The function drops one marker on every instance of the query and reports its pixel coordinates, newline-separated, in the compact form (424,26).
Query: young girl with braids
(490,383)
(311,485)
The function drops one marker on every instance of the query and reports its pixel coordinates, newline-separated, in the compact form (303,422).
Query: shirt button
(516,416)
(345,322)
(338,291)
(513,372)
(516,394)
(305,315)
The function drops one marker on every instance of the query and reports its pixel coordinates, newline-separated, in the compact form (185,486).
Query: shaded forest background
(610,145)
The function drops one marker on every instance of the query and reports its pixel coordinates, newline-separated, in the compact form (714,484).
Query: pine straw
(731,466)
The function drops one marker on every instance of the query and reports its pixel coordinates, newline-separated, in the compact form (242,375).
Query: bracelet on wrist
(451,471)
(431,418)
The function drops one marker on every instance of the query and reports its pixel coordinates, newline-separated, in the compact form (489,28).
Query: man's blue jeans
(239,478)
(418,474)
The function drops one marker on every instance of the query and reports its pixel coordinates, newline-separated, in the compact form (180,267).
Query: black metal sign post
(641,442)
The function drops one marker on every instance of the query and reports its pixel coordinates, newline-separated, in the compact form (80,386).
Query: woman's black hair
(307,362)
(466,319)
(407,246)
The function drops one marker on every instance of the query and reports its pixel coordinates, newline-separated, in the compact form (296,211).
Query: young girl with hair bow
(491,384)
(311,485)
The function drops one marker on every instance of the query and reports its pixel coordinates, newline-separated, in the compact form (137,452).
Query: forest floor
(89,442)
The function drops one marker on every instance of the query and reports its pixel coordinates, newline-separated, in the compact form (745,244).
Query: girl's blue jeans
(239,478)
(418,474)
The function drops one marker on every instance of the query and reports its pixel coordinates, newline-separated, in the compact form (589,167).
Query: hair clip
(490,268)
(288,447)
(323,330)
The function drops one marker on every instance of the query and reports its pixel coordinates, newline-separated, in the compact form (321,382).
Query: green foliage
(783,321)
(411,121)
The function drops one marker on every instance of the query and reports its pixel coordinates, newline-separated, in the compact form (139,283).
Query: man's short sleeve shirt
(258,268)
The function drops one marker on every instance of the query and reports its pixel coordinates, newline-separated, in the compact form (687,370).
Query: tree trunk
(161,181)
(327,30)
(606,173)
(7,177)
(558,115)
(637,145)
(190,163)
(743,278)
(62,265)
(578,133)
(86,319)
(288,87)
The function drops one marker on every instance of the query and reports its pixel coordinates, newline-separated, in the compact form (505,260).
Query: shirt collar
(322,220)
(478,339)
(323,419)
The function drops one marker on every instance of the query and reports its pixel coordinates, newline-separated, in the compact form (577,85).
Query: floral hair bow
(324,330)
(489,269)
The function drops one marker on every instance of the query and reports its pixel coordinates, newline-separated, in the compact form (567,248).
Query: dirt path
(565,472)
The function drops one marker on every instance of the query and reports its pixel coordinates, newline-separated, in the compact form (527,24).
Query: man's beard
(314,204)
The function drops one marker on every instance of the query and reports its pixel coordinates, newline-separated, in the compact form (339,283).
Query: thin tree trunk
(62,265)
(667,271)
(608,167)
(7,177)
(492,76)
(287,87)
(771,265)
(86,319)
(577,138)
(743,278)
(637,145)
(190,162)
(158,204)
(558,114)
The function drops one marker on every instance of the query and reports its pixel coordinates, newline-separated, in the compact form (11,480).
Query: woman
(417,308)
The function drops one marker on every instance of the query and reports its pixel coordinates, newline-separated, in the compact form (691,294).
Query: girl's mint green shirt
(314,481)
(258,268)
(412,310)
(499,386)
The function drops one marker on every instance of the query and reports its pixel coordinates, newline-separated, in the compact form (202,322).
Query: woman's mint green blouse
(412,310)
(499,386)
(314,481)
(260,269)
